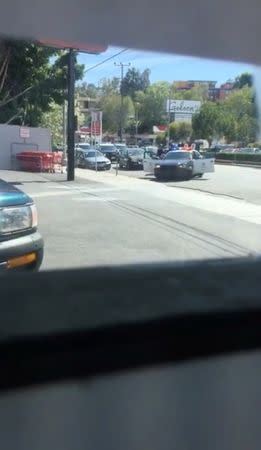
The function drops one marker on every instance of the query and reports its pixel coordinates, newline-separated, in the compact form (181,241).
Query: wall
(11,143)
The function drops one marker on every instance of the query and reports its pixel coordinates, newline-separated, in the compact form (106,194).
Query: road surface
(101,219)
(238,182)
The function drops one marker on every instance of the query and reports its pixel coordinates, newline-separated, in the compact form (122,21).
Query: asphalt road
(239,182)
(101,219)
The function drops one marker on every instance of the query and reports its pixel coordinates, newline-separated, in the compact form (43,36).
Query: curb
(232,163)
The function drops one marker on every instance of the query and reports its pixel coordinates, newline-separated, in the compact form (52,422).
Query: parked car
(88,160)
(21,245)
(120,147)
(131,158)
(109,150)
(179,164)
(83,146)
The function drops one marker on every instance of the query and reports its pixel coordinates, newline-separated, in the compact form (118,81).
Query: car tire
(200,175)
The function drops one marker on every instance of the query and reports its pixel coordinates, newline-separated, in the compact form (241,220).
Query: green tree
(111,107)
(31,79)
(134,81)
(152,109)
(241,106)
(205,122)
(86,90)
(245,79)
(180,131)
(198,93)
(109,86)
(53,120)
(161,139)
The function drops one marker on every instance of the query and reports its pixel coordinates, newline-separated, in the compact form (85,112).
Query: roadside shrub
(244,157)
(255,145)
(209,154)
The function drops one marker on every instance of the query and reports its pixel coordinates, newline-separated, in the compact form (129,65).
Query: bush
(255,145)
(161,139)
(244,157)
(209,154)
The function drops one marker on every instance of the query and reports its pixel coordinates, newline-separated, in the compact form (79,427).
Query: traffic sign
(24,132)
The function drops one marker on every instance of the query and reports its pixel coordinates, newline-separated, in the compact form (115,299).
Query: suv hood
(11,196)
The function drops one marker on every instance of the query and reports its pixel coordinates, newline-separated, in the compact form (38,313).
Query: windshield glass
(178,155)
(145,207)
(84,146)
(135,152)
(107,147)
(92,154)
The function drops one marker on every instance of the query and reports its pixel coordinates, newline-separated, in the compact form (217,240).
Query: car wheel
(200,175)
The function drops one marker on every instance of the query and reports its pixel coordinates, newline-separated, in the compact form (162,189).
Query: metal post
(168,137)
(137,124)
(64,128)
(121,113)
(121,65)
(70,127)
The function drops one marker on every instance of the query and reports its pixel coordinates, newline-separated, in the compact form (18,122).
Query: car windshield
(135,152)
(84,146)
(178,155)
(92,154)
(107,147)
(141,208)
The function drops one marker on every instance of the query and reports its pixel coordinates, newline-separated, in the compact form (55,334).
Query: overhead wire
(105,60)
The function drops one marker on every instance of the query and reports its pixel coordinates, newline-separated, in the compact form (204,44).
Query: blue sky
(163,66)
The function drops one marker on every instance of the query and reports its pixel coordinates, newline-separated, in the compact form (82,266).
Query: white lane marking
(87,191)
(94,199)
(50,194)
(84,189)
(58,187)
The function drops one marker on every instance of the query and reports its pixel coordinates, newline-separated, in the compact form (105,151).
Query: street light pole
(64,128)
(71,124)
(168,137)
(121,65)
(137,120)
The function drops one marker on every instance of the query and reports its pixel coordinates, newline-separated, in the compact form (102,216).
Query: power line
(105,60)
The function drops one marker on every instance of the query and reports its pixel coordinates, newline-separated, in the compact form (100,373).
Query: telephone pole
(121,65)
(70,115)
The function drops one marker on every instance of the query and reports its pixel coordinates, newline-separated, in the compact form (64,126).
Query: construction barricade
(37,161)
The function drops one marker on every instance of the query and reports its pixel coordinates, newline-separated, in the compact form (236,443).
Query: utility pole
(121,65)
(64,128)
(169,120)
(70,114)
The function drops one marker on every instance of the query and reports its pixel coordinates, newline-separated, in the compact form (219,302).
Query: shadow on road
(19,183)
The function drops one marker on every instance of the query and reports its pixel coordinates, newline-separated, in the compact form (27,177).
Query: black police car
(21,245)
